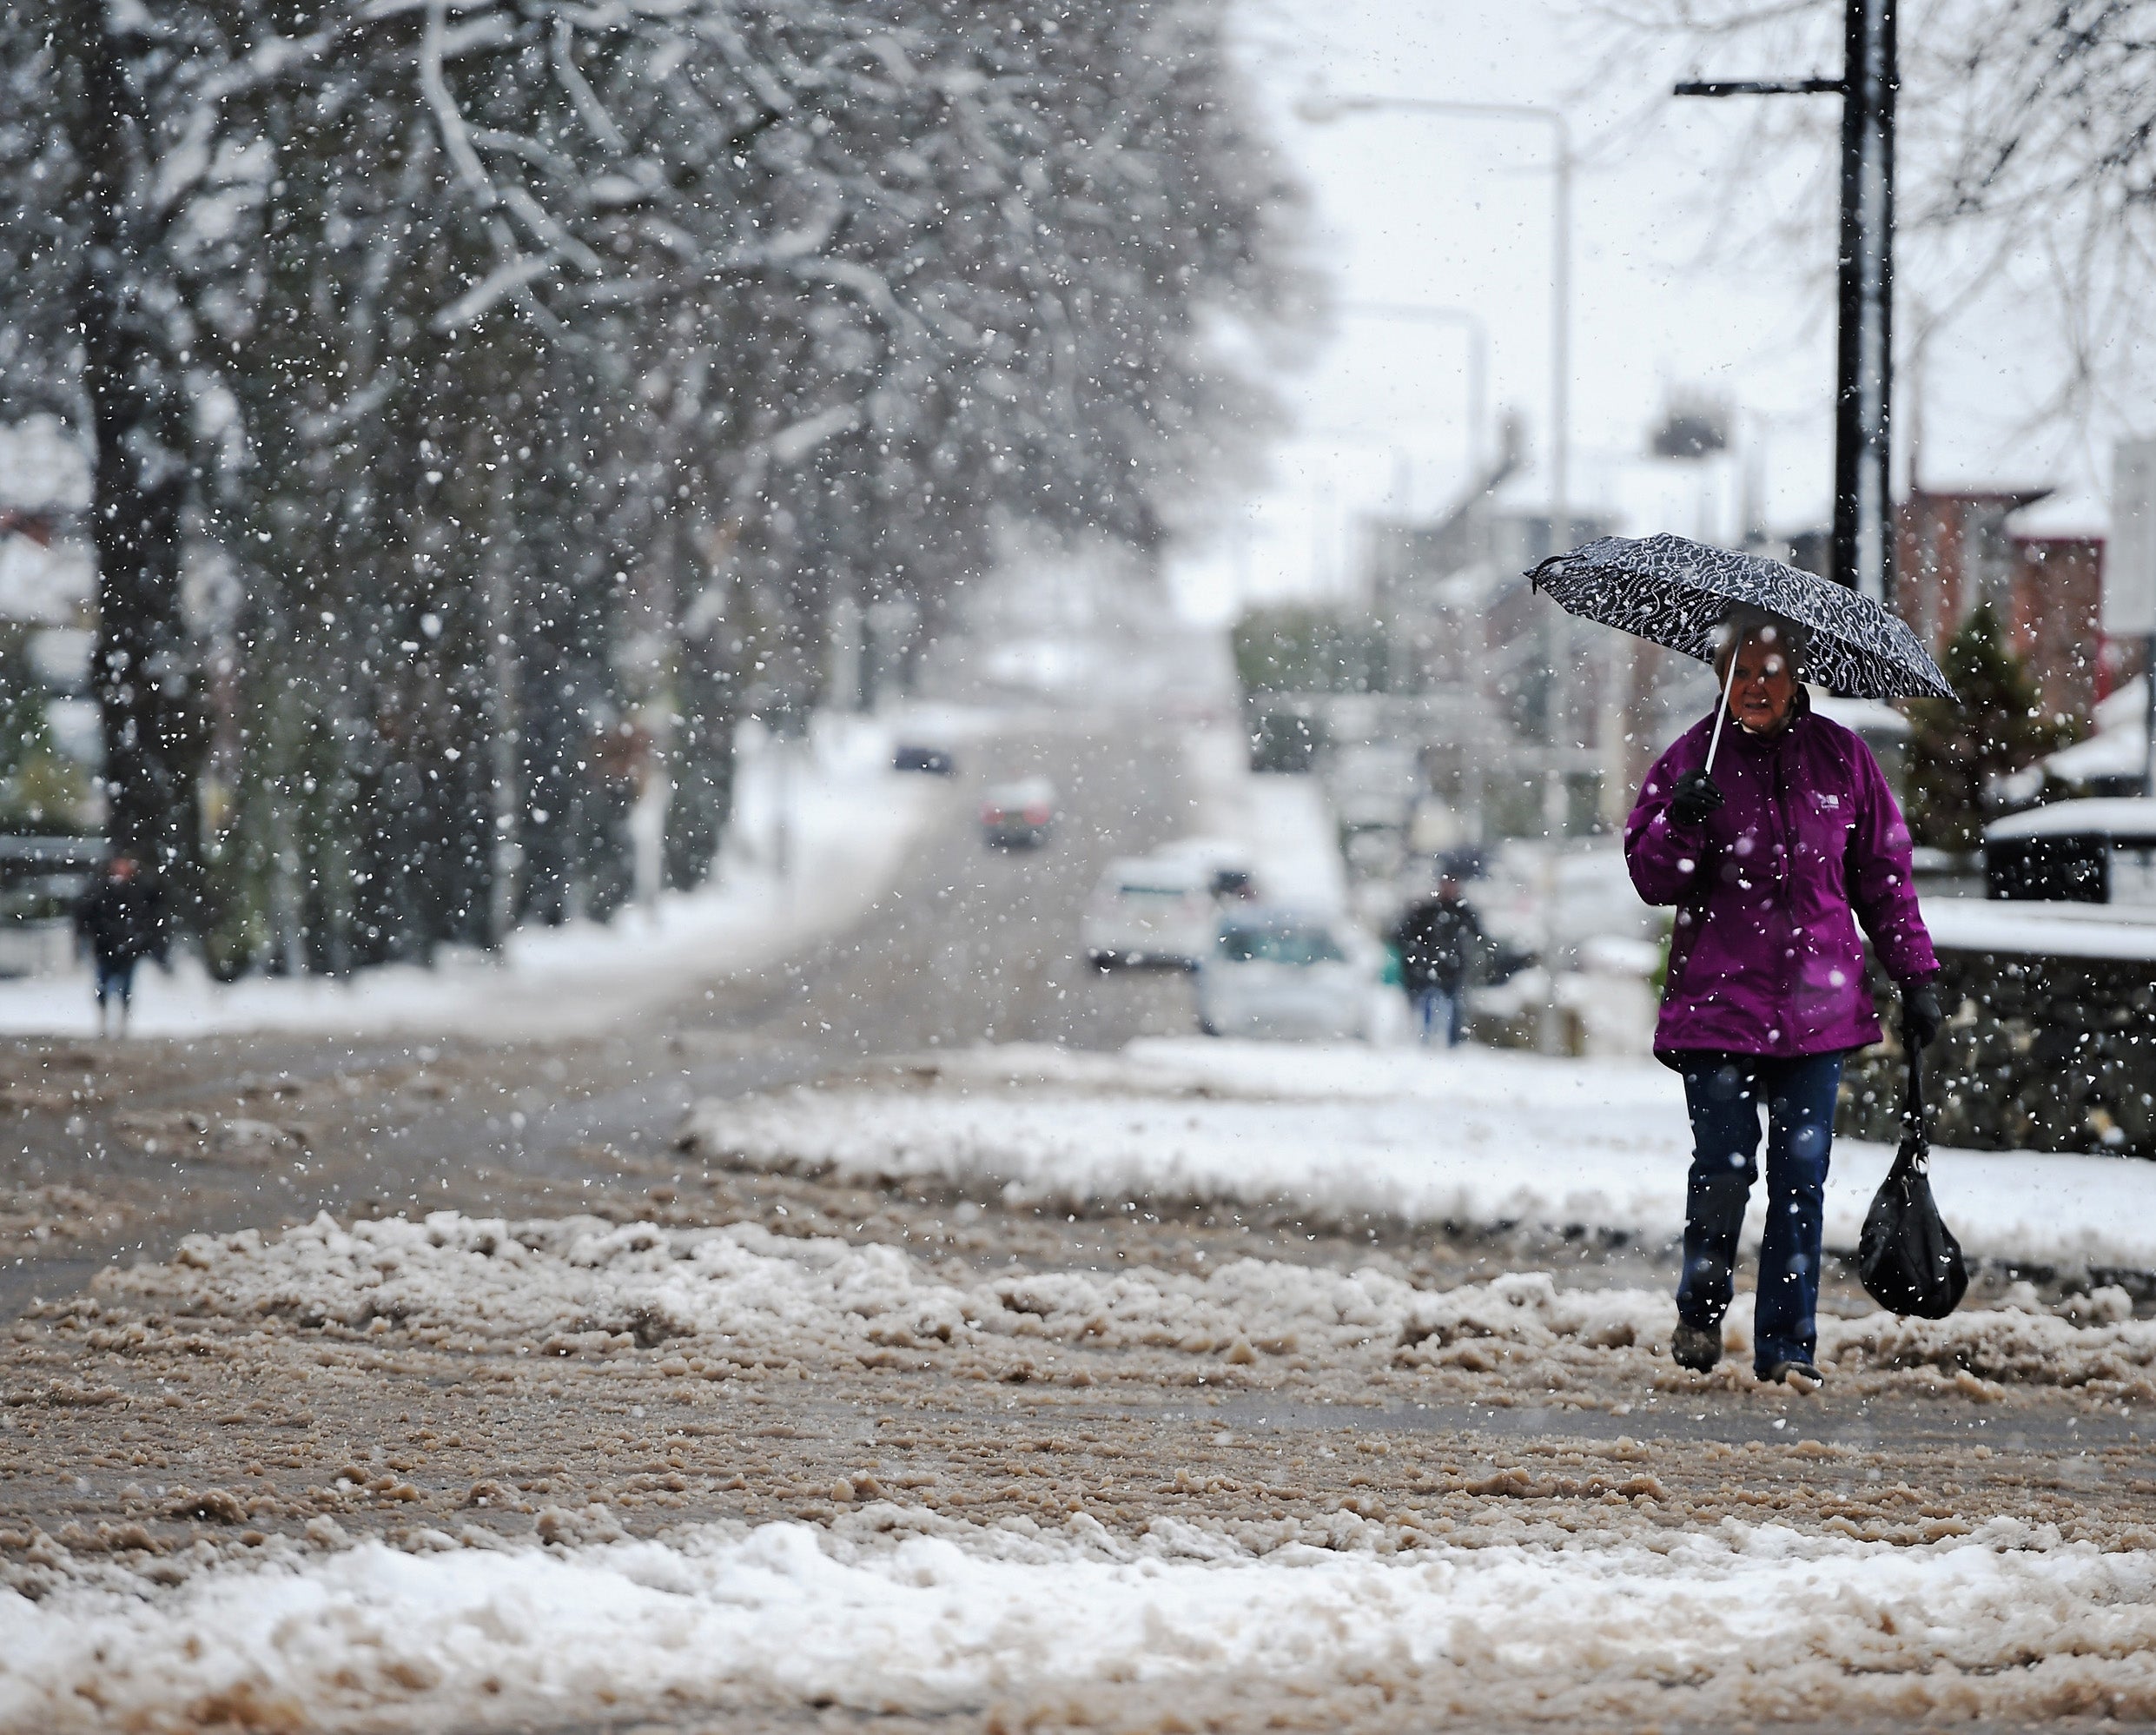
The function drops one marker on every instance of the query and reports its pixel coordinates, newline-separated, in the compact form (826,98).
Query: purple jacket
(1765,957)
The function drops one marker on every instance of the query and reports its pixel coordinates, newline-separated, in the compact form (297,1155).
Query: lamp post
(1478,384)
(1863,496)
(1321,106)
(1325,107)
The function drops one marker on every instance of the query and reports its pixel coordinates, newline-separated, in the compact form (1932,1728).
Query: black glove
(1696,798)
(1920,1015)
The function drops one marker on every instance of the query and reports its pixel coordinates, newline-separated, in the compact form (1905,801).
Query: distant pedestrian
(1771,863)
(120,921)
(1437,938)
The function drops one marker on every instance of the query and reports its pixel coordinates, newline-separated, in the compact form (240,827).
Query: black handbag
(1906,1257)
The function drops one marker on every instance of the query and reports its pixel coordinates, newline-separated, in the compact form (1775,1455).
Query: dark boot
(1800,1376)
(1696,1346)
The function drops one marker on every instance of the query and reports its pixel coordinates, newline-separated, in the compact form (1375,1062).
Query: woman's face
(1765,687)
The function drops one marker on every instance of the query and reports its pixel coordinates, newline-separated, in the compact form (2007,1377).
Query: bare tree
(494,339)
(2027,144)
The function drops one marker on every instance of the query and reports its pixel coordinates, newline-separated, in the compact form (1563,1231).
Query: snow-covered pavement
(878,1465)
(1476,1139)
(850,821)
(904,1612)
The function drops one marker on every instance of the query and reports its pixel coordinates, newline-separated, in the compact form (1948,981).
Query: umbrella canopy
(1679,593)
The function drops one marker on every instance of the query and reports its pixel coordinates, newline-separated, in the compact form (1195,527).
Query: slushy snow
(740,1295)
(559,1285)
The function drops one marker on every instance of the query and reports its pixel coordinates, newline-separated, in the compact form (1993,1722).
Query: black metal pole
(1864,393)
(1863,499)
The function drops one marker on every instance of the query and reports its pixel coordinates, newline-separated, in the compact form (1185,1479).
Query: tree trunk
(707,710)
(144,670)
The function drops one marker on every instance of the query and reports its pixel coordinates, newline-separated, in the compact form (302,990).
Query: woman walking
(1772,861)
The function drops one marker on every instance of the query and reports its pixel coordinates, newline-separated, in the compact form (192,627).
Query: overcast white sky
(1456,214)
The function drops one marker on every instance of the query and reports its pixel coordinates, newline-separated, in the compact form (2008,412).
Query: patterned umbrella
(1679,593)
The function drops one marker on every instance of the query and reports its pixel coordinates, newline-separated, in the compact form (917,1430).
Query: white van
(1230,875)
(1148,911)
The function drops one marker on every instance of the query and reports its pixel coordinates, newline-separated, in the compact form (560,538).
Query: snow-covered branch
(455,137)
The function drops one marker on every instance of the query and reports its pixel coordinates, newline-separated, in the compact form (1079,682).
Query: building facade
(1528,714)
(1957,549)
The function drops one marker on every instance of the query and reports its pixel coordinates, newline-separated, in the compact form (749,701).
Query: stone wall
(2039,1054)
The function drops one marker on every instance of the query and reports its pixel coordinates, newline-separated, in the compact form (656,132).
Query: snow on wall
(1475,1139)
(2034,930)
(933,1615)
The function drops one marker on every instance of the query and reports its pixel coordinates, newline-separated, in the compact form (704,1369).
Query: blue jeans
(115,980)
(1724,1094)
(1439,1009)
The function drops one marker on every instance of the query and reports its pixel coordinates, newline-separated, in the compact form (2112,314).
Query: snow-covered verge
(2008,1622)
(1475,1139)
(850,821)
(729,1298)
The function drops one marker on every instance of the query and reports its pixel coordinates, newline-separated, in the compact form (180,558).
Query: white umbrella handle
(1722,711)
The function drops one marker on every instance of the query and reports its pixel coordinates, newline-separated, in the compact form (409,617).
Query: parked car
(1277,972)
(2101,850)
(1225,865)
(915,756)
(1017,816)
(1149,910)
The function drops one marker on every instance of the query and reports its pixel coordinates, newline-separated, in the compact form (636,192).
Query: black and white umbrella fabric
(1678,592)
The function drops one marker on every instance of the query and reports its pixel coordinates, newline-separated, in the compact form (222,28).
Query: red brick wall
(1928,566)
(2052,588)
(2058,594)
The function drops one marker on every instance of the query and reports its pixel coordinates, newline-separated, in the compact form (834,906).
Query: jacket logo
(1829,803)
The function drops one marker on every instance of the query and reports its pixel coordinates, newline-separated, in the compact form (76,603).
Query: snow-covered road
(849,1451)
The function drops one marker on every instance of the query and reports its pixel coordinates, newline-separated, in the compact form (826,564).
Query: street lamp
(1325,527)
(1323,107)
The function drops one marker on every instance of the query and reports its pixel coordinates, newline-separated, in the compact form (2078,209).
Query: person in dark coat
(1436,938)
(1773,861)
(120,921)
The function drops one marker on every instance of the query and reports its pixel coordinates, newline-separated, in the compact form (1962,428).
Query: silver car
(1277,972)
